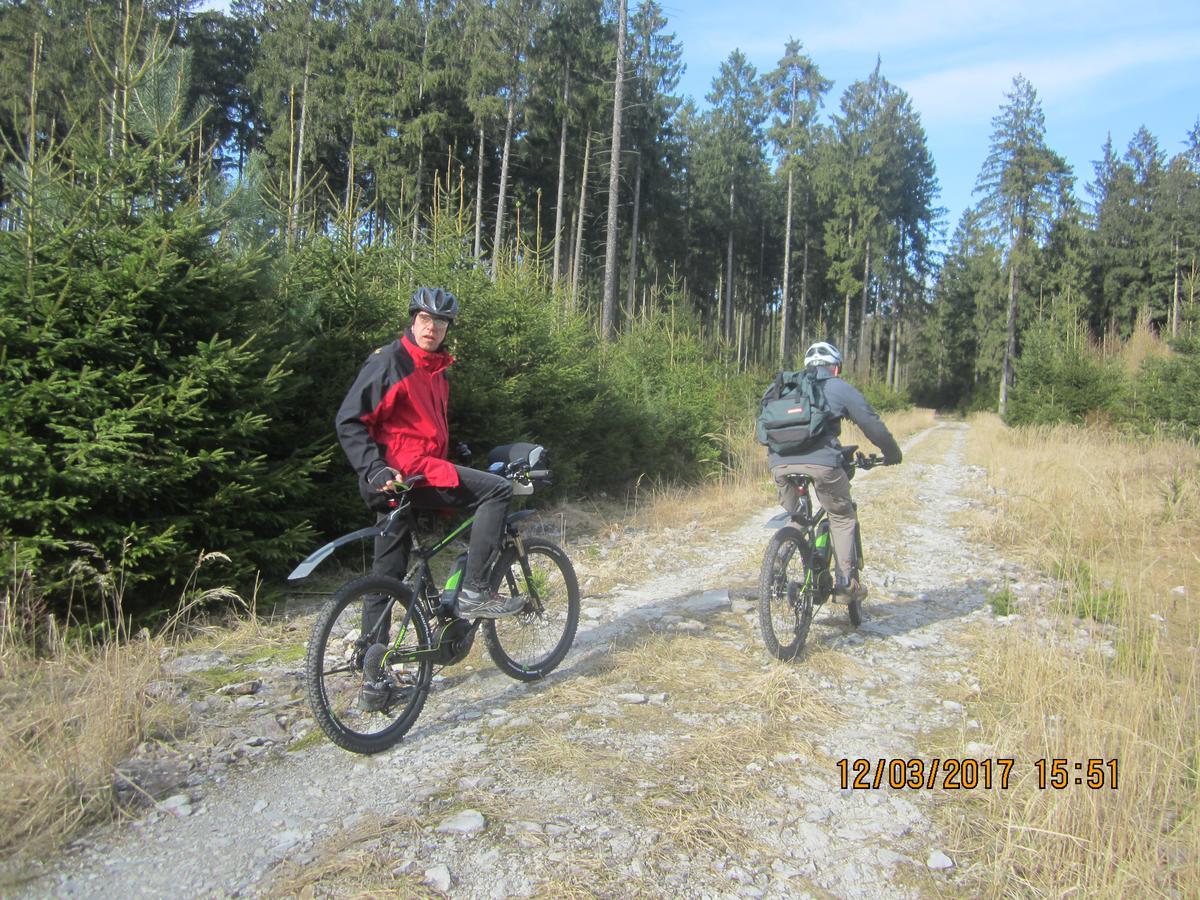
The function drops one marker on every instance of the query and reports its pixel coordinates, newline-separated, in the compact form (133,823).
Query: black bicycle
(796,576)
(367,682)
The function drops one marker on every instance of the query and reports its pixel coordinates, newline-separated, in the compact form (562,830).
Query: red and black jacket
(395,415)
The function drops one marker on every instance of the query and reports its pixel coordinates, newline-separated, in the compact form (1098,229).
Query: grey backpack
(794,413)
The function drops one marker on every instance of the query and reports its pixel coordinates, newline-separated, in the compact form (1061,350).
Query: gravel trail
(454,810)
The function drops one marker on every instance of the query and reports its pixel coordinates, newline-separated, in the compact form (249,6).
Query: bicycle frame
(804,519)
(420,578)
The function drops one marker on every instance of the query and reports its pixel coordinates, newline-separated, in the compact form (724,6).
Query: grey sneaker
(850,591)
(378,685)
(487,605)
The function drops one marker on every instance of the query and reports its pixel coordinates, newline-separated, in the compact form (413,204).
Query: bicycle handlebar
(851,458)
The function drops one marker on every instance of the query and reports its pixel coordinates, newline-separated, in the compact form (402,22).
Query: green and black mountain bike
(796,574)
(377,640)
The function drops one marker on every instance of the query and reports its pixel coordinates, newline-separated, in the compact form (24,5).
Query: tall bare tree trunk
(348,200)
(416,215)
(846,306)
(893,337)
(861,352)
(479,199)
(729,270)
(562,178)
(786,306)
(804,292)
(583,181)
(1175,288)
(297,186)
(717,325)
(614,183)
(1010,339)
(631,293)
(508,130)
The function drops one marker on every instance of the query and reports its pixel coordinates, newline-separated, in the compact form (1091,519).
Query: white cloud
(887,26)
(975,92)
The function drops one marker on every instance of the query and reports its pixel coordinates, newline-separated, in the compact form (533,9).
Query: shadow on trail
(896,616)
(903,612)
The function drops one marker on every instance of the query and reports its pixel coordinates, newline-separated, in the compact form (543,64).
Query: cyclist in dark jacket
(393,424)
(822,461)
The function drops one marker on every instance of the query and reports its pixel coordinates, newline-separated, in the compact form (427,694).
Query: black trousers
(488,495)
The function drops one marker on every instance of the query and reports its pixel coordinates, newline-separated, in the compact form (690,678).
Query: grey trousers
(484,492)
(833,493)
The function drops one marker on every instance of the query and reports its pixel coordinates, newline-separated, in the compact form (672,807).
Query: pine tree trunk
(786,306)
(348,201)
(846,305)
(718,324)
(729,271)
(804,292)
(299,170)
(416,215)
(1010,334)
(508,129)
(631,294)
(562,179)
(890,377)
(614,183)
(583,181)
(479,199)
(864,371)
(1175,288)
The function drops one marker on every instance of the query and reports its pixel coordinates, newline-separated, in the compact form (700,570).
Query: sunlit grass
(1115,677)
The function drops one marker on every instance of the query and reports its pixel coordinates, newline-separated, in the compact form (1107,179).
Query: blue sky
(1099,67)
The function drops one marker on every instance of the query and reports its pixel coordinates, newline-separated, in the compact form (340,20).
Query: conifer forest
(208,219)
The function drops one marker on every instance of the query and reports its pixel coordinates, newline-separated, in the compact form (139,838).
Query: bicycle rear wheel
(529,645)
(785,593)
(366,694)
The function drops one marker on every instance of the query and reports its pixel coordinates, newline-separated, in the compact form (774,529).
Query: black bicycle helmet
(435,301)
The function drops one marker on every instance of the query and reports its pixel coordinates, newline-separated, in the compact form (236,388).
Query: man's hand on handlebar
(387,479)
(862,461)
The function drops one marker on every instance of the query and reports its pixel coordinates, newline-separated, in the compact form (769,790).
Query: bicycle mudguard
(315,558)
(514,517)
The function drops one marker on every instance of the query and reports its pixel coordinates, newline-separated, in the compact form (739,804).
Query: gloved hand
(893,460)
(384,479)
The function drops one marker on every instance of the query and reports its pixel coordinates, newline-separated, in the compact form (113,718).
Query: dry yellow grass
(1118,522)
(68,720)
(72,710)
(361,862)
(695,767)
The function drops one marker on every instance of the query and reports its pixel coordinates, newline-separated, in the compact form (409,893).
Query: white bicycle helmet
(822,354)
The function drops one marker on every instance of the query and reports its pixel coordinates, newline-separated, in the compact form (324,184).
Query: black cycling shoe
(378,685)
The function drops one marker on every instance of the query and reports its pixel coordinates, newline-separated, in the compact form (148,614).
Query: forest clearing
(209,217)
(670,753)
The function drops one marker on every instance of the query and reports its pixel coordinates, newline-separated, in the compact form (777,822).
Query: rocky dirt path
(667,754)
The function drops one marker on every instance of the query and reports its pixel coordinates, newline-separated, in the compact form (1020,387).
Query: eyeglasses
(427,320)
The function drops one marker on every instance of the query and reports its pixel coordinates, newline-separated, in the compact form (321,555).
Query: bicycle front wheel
(365,690)
(785,593)
(528,645)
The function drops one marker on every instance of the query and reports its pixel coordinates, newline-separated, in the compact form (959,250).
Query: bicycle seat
(799,479)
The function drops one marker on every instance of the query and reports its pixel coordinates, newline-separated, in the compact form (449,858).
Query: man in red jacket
(392,424)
